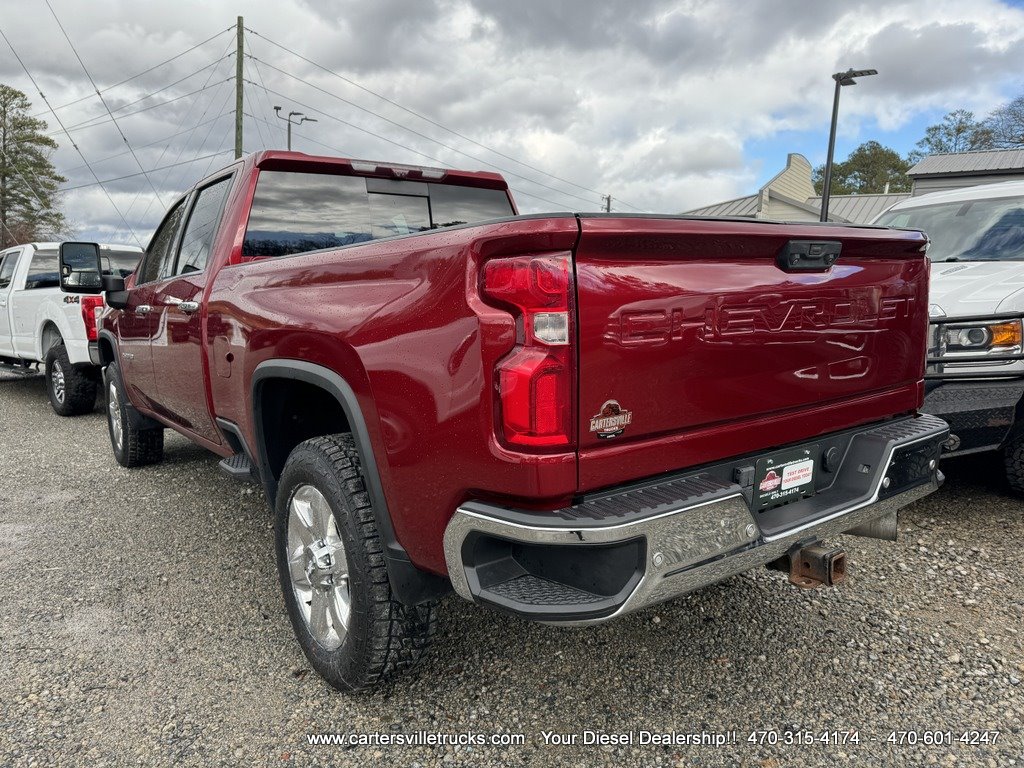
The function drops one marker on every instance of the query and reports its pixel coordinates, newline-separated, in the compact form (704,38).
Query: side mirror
(80,268)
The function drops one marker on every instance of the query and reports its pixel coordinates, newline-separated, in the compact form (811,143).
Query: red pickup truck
(566,417)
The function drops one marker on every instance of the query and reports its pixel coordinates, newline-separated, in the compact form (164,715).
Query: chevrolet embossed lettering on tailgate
(693,324)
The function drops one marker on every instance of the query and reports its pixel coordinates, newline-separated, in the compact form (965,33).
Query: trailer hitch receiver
(813,566)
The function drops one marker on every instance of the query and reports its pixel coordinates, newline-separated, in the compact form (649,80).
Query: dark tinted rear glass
(462,205)
(296,212)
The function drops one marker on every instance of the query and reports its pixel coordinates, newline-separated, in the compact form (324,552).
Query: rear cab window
(295,212)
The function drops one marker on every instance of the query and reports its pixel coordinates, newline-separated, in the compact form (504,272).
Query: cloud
(656,102)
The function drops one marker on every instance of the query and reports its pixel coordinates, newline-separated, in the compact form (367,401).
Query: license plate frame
(785,476)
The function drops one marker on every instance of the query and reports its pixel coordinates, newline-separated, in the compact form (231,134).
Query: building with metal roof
(790,196)
(935,173)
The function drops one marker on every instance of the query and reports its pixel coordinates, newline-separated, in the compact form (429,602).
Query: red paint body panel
(677,319)
(402,322)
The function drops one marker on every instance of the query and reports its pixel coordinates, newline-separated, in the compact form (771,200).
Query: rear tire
(133,446)
(72,391)
(1013,461)
(330,560)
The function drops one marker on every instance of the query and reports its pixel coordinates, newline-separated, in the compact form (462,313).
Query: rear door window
(197,240)
(43,270)
(160,254)
(7,267)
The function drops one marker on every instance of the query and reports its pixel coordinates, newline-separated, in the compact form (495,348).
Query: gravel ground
(142,625)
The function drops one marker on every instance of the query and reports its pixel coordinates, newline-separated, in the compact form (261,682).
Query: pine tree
(29,198)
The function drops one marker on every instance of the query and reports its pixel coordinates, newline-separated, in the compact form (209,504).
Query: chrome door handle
(143,309)
(188,307)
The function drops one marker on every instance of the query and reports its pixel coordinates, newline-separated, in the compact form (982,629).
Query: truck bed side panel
(400,320)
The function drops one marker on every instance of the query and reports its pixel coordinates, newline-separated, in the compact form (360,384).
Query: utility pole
(239,52)
(607,203)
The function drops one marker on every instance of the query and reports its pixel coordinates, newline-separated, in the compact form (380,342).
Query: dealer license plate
(784,477)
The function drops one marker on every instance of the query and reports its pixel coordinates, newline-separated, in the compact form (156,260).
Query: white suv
(41,325)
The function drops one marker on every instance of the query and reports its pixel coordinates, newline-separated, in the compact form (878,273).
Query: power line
(196,158)
(422,116)
(425,136)
(259,130)
(140,173)
(35,193)
(93,122)
(181,123)
(143,146)
(100,120)
(71,140)
(266,95)
(143,72)
(103,101)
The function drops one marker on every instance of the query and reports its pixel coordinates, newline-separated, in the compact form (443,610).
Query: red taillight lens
(92,308)
(535,380)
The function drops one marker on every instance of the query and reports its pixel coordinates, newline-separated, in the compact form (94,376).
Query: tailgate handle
(809,255)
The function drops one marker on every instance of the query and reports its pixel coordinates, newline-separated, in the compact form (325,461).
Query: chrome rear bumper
(624,551)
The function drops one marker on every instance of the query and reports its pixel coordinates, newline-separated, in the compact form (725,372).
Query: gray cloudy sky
(664,104)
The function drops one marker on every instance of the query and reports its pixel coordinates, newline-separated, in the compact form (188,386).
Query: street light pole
(304,119)
(841,78)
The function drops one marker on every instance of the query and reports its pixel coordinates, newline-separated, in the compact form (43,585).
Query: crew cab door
(137,323)
(8,264)
(177,349)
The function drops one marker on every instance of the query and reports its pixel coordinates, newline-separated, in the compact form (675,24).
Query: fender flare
(410,585)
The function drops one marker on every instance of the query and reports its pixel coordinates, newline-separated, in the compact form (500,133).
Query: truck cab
(975,376)
(41,326)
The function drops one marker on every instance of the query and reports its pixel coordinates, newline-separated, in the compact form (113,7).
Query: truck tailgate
(695,345)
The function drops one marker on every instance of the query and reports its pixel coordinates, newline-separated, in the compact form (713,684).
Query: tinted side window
(160,254)
(43,270)
(450,205)
(7,267)
(201,227)
(296,212)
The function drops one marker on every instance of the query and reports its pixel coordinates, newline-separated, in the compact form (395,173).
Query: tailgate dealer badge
(611,420)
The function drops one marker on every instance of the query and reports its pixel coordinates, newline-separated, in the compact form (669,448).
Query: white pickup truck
(41,325)
(975,378)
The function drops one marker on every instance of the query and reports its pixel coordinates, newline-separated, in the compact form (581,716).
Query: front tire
(72,391)
(1013,462)
(133,446)
(330,560)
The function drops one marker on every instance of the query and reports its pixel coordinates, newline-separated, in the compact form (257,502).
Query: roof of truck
(978,192)
(40,244)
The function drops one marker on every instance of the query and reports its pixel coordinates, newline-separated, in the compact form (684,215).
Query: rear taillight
(535,380)
(92,308)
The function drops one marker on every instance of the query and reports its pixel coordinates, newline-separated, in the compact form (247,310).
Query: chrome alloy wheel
(114,410)
(317,567)
(57,381)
